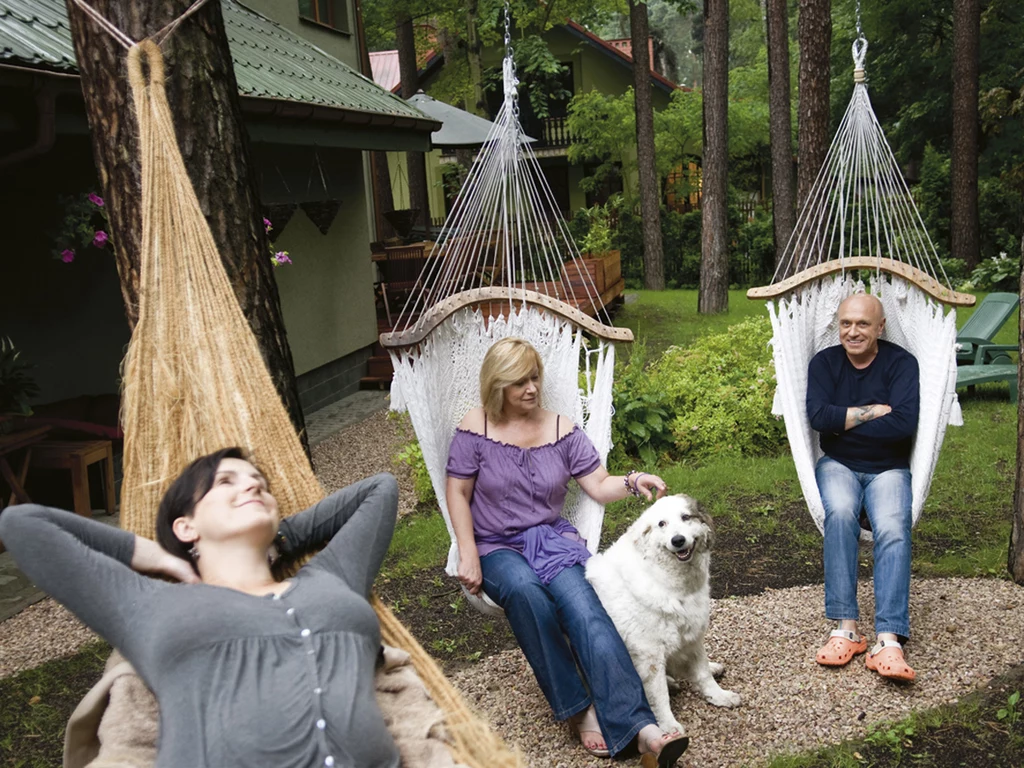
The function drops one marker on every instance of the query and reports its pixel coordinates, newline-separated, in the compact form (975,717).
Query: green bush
(752,258)
(713,398)
(1000,273)
(411,455)
(720,393)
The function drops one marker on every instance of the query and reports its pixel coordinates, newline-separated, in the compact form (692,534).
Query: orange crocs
(886,658)
(841,647)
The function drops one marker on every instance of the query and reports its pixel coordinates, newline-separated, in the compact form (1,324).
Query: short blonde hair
(510,360)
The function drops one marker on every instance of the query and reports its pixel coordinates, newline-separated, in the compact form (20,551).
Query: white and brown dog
(654,583)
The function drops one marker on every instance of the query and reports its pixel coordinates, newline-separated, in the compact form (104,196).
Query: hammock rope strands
(504,264)
(194,380)
(860,223)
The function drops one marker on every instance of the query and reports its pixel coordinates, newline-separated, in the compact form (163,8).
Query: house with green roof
(311,117)
(591,64)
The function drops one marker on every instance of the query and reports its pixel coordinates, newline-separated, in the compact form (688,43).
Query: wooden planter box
(604,271)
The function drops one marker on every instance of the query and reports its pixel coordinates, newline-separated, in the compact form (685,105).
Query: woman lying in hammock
(508,472)
(248,670)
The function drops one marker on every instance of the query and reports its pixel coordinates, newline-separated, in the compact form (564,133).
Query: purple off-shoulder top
(518,496)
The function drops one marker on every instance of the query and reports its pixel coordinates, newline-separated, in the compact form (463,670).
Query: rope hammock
(194,380)
(860,222)
(504,264)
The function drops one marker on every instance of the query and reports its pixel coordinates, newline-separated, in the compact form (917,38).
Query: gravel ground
(965,632)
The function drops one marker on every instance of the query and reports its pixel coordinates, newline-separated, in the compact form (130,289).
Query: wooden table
(22,440)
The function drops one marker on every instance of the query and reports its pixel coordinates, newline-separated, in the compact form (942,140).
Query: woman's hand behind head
(153,560)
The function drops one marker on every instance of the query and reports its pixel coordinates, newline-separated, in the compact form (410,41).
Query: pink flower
(281,257)
(100,239)
(267,224)
(95,199)
(67,255)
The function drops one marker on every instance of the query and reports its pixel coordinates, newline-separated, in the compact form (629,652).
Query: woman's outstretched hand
(651,486)
(470,575)
(153,560)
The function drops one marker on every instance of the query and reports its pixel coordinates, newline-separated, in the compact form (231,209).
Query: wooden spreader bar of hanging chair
(441,311)
(918,277)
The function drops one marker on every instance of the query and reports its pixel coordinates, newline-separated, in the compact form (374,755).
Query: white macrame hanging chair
(504,264)
(860,223)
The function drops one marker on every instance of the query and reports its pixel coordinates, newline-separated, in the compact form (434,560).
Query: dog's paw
(716,669)
(724,698)
(671,724)
(673,685)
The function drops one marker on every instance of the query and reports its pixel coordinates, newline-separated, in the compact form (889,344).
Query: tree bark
(814,31)
(1015,558)
(650,204)
(713,296)
(204,101)
(780,126)
(476,69)
(416,166)
(964,224)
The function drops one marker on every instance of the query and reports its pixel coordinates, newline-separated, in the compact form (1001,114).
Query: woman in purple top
(509,468)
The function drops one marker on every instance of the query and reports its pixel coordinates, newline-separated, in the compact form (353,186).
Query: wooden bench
(78,456)
(969,375)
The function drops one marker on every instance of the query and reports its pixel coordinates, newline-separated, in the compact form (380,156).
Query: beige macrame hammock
(194,380)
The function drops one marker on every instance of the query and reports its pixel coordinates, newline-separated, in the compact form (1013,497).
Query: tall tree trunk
(476,69)
(409,72)
(964,224)
(814,31)
(780,126)
(1015,559)
(203,97)
(650,204)
(714,252)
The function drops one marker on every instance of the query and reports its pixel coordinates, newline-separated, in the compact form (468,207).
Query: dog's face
(673,527)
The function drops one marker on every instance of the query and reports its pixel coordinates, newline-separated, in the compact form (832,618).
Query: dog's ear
(705,517)
(640,536)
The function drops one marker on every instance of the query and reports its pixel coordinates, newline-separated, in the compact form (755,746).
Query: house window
(330,13)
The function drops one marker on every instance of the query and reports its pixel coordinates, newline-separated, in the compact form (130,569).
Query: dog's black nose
(678,542)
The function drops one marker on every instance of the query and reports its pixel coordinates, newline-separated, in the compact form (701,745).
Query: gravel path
(965,632)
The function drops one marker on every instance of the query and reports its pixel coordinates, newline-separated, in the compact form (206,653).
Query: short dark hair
(185,492)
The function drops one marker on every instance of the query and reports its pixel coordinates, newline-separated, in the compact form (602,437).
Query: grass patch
(35,706)
(420,541)
(983,728)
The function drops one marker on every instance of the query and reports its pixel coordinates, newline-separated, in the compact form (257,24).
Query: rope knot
(145,65)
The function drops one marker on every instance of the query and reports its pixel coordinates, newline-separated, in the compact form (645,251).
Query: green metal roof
(271,62)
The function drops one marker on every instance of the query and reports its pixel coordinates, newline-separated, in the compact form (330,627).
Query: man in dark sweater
(862,397)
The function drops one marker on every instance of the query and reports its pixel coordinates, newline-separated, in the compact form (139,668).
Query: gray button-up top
(281,682)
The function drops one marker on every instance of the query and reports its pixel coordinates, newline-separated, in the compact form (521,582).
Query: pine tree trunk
(416,167)
(1015,559)
(780,126)
(650,207)
(964,224)
(203,97)
(814,31)
(476,69)
(714,257)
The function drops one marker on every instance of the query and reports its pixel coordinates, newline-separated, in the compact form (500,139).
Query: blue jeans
(561,626)
(886,498)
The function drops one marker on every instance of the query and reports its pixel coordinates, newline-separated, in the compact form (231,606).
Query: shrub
(752,259)
(1000,273)
(411,455)
(719,392)
(713,398)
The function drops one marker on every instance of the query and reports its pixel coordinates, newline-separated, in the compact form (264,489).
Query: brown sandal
(886,658)
(841,647)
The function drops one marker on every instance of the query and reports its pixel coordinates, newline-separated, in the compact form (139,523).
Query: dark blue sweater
(833,385)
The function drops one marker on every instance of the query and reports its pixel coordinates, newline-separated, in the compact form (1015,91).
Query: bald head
(864,302)
(861,322)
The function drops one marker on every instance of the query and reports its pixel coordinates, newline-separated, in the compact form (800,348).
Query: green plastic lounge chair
(982,326)
(969,375)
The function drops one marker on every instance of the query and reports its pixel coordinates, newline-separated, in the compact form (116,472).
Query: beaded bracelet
(632,489)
